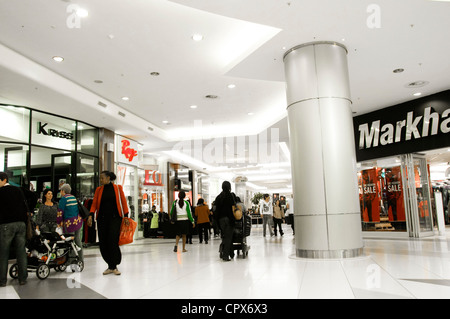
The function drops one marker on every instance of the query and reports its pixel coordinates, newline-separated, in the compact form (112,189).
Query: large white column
(327,213)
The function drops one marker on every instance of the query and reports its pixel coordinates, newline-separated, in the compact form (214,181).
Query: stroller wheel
(77,266)
(61,267)
(14,271)
(42,271)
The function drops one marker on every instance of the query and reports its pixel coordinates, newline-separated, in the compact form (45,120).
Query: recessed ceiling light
(417,94)
(193,106)
(165,122)
(417,84)
(154,73)
(250,113)
(98,81)
(231,86)
(211,96)
(82,13)
(197,37)
(398,70)
(125,98)
(58,58)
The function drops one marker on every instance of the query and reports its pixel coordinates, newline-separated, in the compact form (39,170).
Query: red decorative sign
(127,151)
(153,178)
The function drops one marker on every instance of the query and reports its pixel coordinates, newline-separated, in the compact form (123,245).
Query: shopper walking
(290,210)
(180,215)
(46,217)
(203,215)
(108,207)
(278,217)
(224,212)
(13,221)
(69,218)
(266,209)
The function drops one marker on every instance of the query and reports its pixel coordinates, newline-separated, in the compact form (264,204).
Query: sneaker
(108,271)
(116,272)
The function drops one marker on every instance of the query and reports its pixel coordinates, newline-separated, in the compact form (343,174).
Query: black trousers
(203,231)
(226,229)
(108,236)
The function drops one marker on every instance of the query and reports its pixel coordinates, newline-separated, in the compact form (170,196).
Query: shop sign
(409,127)
(153,178)
(128,151)
(42,129)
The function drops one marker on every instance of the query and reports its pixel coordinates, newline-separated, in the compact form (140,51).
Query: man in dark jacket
(13,220)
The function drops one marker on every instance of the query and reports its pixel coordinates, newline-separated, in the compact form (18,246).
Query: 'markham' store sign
(414,126)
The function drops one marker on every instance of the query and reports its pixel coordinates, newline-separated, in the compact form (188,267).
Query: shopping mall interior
(181,95)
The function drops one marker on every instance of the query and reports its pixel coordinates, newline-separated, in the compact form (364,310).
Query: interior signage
(409,127)
(153,178)
(127,151)
(42,129)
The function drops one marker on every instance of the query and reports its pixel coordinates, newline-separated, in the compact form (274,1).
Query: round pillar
(326,198)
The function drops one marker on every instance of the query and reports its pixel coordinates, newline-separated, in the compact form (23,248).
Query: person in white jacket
(266,210)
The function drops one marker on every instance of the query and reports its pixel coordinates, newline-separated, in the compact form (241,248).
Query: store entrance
(50,169)
(61,171)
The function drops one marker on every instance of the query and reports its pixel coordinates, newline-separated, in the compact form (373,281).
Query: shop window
(87,139)
(382,201)
(13,161)
(14,124)
(87,176)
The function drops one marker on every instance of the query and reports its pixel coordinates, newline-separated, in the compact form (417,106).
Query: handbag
(237,212)
(82,211)
(127,228)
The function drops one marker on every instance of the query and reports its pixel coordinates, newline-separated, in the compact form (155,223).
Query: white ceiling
(122,42)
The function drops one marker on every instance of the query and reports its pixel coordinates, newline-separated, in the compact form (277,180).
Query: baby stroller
(50,250)
(242,229)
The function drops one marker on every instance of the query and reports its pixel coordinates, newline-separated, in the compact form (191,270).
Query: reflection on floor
(390,268)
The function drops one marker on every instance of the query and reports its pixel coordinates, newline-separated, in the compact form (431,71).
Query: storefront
(392,148)
(41,150)
(130,175)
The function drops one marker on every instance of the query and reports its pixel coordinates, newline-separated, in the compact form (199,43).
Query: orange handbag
(127,231)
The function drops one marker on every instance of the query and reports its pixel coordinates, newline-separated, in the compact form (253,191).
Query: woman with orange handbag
(109,206)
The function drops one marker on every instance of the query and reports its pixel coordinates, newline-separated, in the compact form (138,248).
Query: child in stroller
(50,250)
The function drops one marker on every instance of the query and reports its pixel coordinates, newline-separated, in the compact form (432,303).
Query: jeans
(13,234)
(267,221)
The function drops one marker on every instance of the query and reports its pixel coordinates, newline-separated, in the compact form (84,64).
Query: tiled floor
(390,268)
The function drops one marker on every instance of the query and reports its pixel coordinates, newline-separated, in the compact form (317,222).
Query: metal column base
(329,254)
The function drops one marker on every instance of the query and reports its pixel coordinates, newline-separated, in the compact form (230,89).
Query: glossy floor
(390,268)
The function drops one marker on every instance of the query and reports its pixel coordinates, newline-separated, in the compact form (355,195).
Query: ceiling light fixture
(250,113)
(417,84)
(125,98)
(398,70)
(231,86)
(154,73)
(165,122)
(58,59)
(197,37)
(417,94)
(193,106)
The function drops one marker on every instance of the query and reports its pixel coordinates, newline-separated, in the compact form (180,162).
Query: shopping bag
(127,231)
